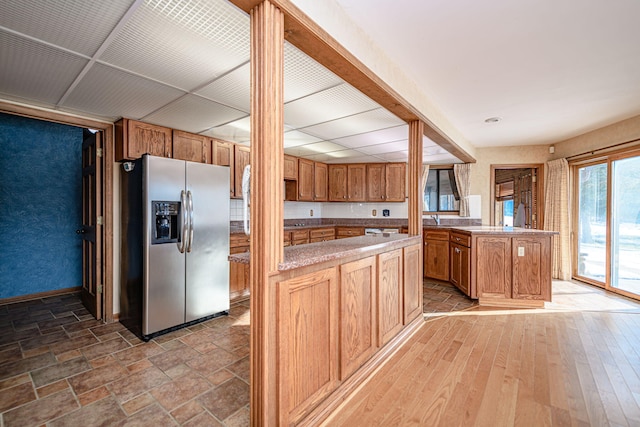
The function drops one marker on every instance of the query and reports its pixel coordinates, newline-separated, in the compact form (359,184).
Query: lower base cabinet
(412,297)
(390,305)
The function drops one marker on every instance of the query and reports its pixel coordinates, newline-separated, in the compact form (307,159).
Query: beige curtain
(425,175)
(462,173)
(556,216)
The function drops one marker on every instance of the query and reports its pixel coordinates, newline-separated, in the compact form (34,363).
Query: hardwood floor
(576,362)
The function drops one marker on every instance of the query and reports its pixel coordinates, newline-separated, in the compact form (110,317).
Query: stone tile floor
(61,367)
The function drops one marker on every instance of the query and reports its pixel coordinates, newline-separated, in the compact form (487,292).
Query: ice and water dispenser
(166,222)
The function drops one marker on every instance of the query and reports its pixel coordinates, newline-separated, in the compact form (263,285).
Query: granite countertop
(491,229)
(314,253)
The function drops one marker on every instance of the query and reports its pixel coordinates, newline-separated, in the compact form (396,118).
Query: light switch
(520,250)
(374,212)
(310,212)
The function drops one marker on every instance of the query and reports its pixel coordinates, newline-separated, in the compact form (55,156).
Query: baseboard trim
(39,295)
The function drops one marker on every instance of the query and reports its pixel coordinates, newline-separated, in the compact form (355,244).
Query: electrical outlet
(310,212)
(374,212)
(520,250)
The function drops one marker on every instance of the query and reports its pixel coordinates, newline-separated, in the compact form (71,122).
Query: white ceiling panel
(387,147)
(396,133)
(34,71)
(64,22)
(303,76)
(192,113)
(237,131)
(182,43)
(322,147)
(331,104)
(398,156)
(108,92)
(232,89)
(354,125)
(296,138)
(354,156)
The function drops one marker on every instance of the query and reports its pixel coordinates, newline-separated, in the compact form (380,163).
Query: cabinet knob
(457,250)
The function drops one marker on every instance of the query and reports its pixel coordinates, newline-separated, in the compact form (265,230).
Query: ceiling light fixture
(492,120)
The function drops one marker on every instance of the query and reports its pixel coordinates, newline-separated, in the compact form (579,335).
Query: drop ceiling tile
(232,89)
(184,43)
(34,71)
(388,147)
(192,113)
(91,21)
(381,136)
(355,125)
(107,91)
(353,156)
(236,131)
(295,138)
(303,75)
(322,147)
(398,156)
(331,104)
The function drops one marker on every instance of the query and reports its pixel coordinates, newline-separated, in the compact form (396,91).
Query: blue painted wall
(40,206)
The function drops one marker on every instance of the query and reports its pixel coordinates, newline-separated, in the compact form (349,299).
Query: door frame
(108,160)
(540,190)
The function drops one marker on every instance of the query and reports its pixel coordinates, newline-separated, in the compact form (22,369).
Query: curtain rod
(591,152)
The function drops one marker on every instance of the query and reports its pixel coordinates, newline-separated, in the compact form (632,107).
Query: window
(441,192)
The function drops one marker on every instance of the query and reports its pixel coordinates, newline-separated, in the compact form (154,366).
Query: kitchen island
(341,306)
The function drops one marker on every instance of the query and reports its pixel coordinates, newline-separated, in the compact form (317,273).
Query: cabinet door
(493,267)
(412,284)
(337,183)
(290,167)
(223,155)
(531,268)
(238,279)
(460,268)
(357,314)
(321,182)
(436,259)
(191,147)
(308,320)
(395,182)
(133,139)
(376,182)
(357,182)
(305,180)
(389,295)
(242,157)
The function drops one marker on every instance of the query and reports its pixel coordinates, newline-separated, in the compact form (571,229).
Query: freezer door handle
(184,220)
(190,210)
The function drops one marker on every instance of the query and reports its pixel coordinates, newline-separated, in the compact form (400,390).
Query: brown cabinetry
(493,266)
(395,182)
(299,237)
(357,182)
(321,182)
(305,180)
(412,298)
(436,254)
(191,147)
(322,234)
(344,232)
(223,155)
(242,157)
(376,182)
(460,263)
(531,263)
(390,304)
(337,183)
(290,167)
(133,139)
(238,272)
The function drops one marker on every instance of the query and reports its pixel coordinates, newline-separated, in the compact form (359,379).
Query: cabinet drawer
(461,239)
(238,240)
(342,232)
(322,233)
(435,234)
(298,235)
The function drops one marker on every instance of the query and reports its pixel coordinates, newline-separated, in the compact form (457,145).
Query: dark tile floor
(60,367)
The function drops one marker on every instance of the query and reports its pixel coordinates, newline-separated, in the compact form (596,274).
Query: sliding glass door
(607,238)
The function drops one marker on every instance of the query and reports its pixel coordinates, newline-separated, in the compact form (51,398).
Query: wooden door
(191,147)
(321,182)
(357,182)
(375,182)
(242,157)
(305,180)
(395,182)
(337,183)
(92,220)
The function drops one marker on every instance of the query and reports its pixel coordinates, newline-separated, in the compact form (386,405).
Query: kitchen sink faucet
(436,218)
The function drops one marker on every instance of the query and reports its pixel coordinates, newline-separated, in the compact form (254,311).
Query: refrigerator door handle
(184,219)
(190,232)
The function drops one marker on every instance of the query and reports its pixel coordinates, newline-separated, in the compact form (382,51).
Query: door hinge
(99,289)
(99,152)
(100,220)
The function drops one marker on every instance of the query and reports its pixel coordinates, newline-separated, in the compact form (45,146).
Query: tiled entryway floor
(443,297)
(61,367)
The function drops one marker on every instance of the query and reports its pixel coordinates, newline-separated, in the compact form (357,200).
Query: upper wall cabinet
(321,182)
(133,139)
(395,182)
(242,156)
(191,147)
(224,155)
(305,180)
(290,167)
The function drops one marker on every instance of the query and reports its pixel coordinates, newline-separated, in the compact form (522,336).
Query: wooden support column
(267,156)
(416,131)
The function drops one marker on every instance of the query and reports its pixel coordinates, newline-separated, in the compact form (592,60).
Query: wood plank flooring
(575,363)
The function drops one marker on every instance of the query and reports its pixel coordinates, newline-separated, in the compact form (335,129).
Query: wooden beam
(266,244)
(310,38)
(414,186)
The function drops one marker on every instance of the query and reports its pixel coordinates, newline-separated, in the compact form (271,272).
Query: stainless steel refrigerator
(175,244)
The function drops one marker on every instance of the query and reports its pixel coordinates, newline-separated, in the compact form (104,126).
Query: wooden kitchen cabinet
(493,266)
(531,263)
(321,182)
(133,139)
(238,272)
(322,234)
(191,147)
(436,254)
(305,180)
(223,155)
(356,182)
(460,263)
(390,304)
(357,314)
(299,237)
(376,182)
(290,167)
(242,157)
(395,182)
(344,232)
(412,284)
(338,183)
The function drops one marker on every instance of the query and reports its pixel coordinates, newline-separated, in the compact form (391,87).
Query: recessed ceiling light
(492,120)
